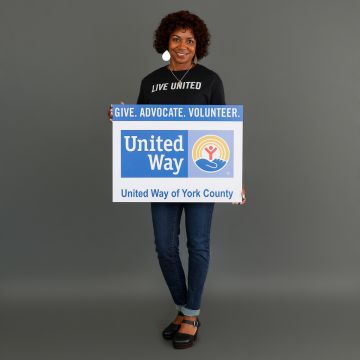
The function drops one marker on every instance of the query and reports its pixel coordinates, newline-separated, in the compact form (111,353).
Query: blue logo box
(176,153)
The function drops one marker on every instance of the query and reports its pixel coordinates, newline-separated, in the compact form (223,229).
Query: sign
(177,153)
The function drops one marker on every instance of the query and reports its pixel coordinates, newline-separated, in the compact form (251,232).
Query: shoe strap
(195,323)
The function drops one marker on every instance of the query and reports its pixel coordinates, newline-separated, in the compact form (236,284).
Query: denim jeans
(166,221)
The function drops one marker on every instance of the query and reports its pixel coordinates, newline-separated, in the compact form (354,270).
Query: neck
(178,67)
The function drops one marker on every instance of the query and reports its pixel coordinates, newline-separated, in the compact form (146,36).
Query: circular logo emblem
(210,153)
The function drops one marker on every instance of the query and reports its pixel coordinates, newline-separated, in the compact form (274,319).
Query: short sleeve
(141,97)
(217,92)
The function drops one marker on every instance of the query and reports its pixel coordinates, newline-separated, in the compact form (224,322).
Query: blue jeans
(166,221)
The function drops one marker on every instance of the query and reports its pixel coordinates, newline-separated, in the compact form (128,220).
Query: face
(182,46)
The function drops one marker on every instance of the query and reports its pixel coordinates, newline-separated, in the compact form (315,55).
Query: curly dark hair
(182,20)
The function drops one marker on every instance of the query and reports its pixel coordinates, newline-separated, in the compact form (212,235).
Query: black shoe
(169,332)
(182,340)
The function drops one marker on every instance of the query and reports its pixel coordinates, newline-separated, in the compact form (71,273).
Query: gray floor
(251,327)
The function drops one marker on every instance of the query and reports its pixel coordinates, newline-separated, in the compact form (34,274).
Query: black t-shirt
(200,86)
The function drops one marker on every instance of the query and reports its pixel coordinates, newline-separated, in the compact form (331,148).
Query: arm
(217,92)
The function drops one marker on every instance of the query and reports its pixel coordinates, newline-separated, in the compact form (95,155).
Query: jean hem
(186,311)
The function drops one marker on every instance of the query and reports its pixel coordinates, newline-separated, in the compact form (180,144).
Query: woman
(183,38)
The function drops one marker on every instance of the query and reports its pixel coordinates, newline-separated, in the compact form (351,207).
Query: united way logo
(210,153)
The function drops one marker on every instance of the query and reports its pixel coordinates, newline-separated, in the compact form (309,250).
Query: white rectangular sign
(177,153)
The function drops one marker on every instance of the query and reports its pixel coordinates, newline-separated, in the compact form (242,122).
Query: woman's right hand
(110,112)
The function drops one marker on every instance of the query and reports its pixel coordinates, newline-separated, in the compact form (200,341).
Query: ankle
(179,318)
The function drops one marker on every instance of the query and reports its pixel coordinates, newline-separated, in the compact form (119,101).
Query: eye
(190,41)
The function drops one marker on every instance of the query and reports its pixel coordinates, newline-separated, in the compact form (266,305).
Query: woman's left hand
(243,198)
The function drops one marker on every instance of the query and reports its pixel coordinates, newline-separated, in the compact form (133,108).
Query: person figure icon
(210,150)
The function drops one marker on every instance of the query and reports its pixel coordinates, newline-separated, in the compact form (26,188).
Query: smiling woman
(184,38)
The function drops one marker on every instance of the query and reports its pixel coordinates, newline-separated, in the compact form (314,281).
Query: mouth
(181,54)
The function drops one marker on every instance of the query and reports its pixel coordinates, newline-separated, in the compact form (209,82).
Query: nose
(182,44)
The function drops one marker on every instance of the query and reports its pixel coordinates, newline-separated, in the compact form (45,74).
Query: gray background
(79,274)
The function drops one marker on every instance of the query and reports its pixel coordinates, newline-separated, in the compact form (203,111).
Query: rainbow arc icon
(210,153)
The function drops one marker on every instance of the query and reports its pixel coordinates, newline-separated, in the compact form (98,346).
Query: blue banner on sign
(130,112)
